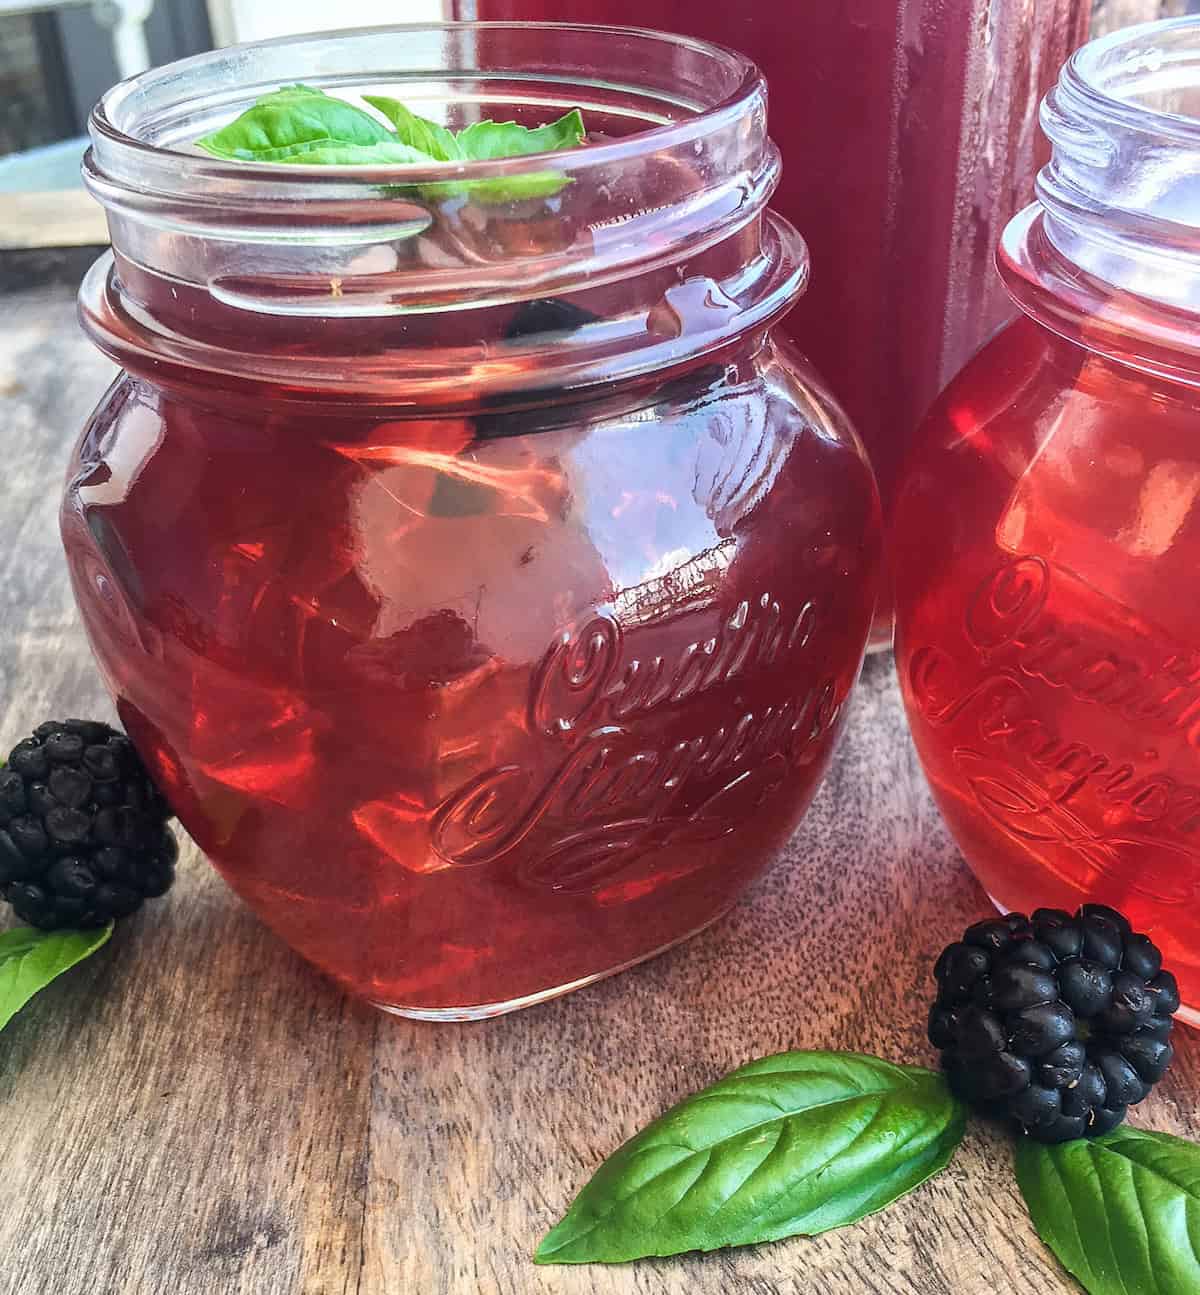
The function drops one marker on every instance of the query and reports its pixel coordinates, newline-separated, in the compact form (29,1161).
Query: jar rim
(1098,70)
(117,147)
(658,233)
(1111,250)
(1052,289)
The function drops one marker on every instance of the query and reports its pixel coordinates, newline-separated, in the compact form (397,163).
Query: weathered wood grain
(832,950)
(195,1112)
(62,218)
(188,1111)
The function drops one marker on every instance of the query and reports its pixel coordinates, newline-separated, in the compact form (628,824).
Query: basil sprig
(302,125)
(30,960)
(1121,1212)
(796,1143)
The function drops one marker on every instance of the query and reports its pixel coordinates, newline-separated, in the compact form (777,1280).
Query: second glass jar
(1048,527)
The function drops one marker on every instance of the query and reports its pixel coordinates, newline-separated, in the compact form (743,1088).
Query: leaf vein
(813,1172)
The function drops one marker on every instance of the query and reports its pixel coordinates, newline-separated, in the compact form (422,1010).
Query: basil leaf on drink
(387,152)
(491,139)
(793,1144)
(1120,1211)
(509,188)
(30,960)
(294,120)
(417,132)
(298,90)
(305,126)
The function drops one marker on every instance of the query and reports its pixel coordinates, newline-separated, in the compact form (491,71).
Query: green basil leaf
(509,188)
(30,960)
(297,90)
(489,139)
(300,124)
(1121,1212)
(303,125)
(493,139)
(388,152)
(285,124)
(417,132)
(794,1144)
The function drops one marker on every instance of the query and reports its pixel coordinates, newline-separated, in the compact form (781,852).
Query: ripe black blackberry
(83,830)
(1060,1022)
(546,315)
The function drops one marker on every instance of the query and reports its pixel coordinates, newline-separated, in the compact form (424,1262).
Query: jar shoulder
(1044,451)
(290,538)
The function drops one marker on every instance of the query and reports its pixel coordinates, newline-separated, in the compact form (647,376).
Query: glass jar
(901,185)
(482,576)
(1048,528)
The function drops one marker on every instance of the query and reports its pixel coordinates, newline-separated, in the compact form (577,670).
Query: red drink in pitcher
(909,138)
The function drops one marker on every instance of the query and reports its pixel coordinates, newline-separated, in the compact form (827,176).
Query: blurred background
(58,56)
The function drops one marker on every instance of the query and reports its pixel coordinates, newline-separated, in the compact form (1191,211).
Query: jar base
(1188,1015)
(485,1011)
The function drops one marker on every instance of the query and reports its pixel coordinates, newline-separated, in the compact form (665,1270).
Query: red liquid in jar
(1048,640)
(909,138)
(470,707)
(480,574)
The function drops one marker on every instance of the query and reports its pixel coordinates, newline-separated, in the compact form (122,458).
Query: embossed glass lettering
(611,798)
(1037,782)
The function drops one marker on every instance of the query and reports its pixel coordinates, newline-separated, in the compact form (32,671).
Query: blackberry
(1059,1022)
(547,316)
(83,830)
(541,321)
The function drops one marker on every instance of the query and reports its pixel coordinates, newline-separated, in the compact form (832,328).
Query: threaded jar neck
(410,277)
(1112,244)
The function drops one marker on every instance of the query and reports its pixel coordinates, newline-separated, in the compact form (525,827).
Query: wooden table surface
(197,1111)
